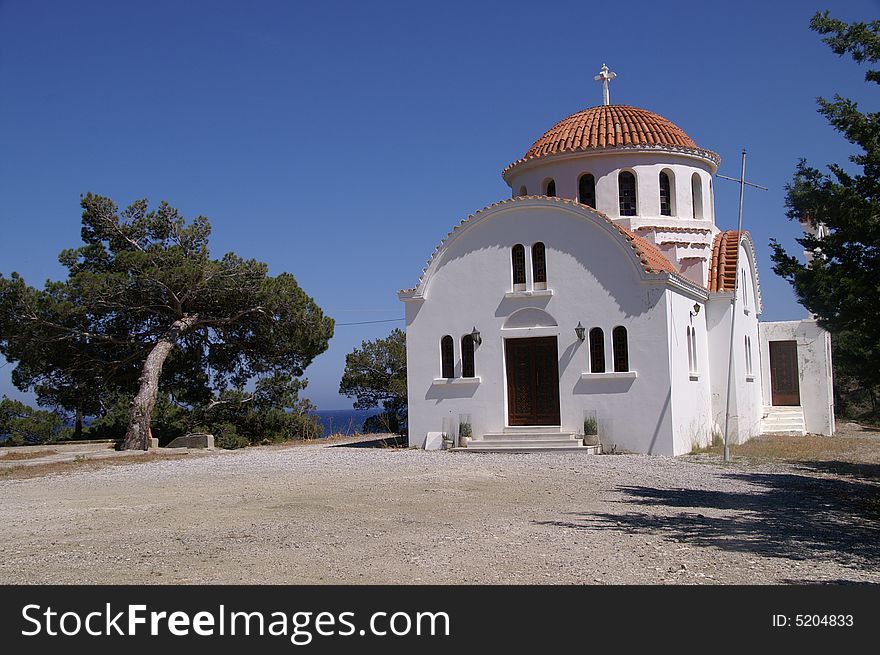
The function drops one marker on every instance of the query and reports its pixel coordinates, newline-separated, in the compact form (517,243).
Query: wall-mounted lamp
(580,331)
(475,335)
(696,309)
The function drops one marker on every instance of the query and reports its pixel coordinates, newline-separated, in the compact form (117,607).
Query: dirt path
(317,514)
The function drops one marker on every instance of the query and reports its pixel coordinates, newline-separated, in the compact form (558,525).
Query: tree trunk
(78,424)
(138,435)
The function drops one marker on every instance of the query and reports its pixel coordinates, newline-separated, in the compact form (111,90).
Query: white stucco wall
(746,395)
(605,167)
(595,280)
(691,393)
(814,370)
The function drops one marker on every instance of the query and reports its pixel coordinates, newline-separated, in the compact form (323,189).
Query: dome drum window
(626,183)
(667,200)
(587,190)
(697,195)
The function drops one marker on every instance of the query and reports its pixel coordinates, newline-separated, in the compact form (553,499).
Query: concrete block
(434,441)
(194,440)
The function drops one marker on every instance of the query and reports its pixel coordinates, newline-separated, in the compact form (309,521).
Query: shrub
(24,425)
(591,426)
(226,436)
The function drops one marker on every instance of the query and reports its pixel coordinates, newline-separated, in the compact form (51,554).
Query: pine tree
(841,286)
(144,302)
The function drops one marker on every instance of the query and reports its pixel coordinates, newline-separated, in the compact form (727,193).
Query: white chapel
(593,309)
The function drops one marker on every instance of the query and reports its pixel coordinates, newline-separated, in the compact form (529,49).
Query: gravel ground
(318,514)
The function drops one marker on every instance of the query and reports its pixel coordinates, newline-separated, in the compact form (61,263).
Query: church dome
(608,126)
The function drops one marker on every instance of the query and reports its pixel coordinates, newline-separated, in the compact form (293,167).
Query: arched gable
(529,317)
(647,261)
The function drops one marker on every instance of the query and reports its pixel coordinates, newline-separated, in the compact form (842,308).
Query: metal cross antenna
(742,186)
(605,76)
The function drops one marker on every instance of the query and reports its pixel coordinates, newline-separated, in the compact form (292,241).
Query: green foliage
(465,431)
(170,420)
(591,426)
(273,413)
(111,424)
(382,423)
(24,425)
(65,368)
(144,282)
(375,375)
(226,436)
(840,286)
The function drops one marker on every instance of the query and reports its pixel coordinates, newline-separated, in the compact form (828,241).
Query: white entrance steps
(783,420)
(530,439)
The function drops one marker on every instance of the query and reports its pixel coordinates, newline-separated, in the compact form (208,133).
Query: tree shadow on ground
(786,515)
(847,469)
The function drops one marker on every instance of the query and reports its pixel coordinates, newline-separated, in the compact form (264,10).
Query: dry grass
(811,447)
(850,446)
(84,464)
(15,455)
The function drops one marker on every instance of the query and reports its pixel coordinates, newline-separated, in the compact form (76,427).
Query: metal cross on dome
(605,76)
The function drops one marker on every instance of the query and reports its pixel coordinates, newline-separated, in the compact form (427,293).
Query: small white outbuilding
(599,298)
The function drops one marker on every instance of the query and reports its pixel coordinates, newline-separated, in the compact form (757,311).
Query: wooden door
(532,381)
(784,385)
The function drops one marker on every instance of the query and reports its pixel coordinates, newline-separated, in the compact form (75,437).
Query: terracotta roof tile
(652,259)
(609,126)
(723,266)
(722,273)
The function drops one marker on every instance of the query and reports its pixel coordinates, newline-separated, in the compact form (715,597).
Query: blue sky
(340,141)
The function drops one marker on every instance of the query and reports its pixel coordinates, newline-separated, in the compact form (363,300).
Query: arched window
(745,289)
(626,186)
(748,341)
(620,349)
(447,357)
(587,190)
(697,195)
(539,266)
(467,356)
(597,351)
(710,207)
(694,349)
(550,189)
(690,351)
(519,267)
(665,195)
(523,191)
